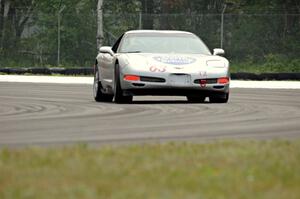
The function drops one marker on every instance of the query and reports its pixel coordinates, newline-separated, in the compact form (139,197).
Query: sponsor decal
(175,60)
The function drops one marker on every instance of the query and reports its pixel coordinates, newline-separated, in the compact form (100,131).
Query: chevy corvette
(149,62)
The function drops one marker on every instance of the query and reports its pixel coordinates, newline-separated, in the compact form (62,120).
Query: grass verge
(230,169)
(258,69)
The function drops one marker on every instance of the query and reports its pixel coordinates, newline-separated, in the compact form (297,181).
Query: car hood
(173,61)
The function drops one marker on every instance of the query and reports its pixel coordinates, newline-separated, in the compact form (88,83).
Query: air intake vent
(152,79)
(208,81)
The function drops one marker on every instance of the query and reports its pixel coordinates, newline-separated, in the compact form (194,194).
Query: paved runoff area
(89,80)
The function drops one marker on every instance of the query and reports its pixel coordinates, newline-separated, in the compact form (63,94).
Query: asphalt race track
(55,114)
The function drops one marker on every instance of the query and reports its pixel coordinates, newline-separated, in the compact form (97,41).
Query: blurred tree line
(254,30)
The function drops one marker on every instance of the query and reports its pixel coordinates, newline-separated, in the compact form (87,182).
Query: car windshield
(181,43)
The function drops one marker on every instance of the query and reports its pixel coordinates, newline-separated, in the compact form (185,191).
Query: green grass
(271,64)
(264,68)
(229,169)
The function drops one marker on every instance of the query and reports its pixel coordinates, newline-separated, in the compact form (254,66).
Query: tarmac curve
(61,114)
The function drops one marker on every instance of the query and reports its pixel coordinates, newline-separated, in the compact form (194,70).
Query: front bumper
(190,87)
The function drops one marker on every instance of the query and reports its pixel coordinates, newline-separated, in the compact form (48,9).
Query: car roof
(158,31)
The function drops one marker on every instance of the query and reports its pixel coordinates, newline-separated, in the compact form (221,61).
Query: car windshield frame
(166,43)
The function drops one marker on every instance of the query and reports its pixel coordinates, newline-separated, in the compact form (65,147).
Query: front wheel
(219,99)
(118,92)
(99,96)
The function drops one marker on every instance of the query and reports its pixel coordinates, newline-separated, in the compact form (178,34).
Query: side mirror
(219,51)
(106,49)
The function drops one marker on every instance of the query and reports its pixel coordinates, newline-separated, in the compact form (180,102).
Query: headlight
(215,63)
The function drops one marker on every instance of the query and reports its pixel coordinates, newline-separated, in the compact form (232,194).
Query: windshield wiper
(137,51)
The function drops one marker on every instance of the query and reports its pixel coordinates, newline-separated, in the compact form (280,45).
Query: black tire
(218,99)
(118,92)
(99,96)
(196,99)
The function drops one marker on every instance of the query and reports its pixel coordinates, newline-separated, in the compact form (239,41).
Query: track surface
(55,114)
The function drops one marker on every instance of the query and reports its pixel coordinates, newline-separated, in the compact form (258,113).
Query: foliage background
(257,33)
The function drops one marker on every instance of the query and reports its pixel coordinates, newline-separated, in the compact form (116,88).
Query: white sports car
(148,62)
